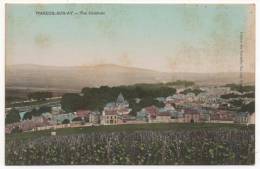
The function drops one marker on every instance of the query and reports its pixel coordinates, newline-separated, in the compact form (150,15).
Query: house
(245,118)
(177,116)
(142,115)
(47,115)
(128,120)
(190,97)
(10,127)
(151,112)
(163,117)
(241,117)
(204,117)
(59,118)
(169,106)
(137,100)
(160,99)
(191,116)
(121,102)
(222,116)
(114,112)
(94,117)
(109,117)
(147,114)
(120,105)
(32,124)
(83,114)
(21,114)
(56,109)
(251,118)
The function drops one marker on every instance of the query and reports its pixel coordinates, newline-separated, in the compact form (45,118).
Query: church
(114,112)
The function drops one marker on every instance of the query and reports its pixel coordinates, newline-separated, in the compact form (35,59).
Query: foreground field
(129,144)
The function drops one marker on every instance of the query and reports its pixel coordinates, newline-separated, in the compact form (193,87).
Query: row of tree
(42,95)
(13,115)
(183,83)
(241,88)
(36,112)
(96,98)
(233,95)
(196,91)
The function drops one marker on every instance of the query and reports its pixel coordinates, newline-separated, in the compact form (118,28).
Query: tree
(27,115)
(12,116)
(77,119)
(145,102)
(195,91)
(240,88)
(35,112)
(250,107)
(71,102)
(16,130)
(39,95)
(44,109)
(66,121)
(96,98)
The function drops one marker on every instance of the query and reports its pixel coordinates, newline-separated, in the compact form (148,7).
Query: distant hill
(77,77)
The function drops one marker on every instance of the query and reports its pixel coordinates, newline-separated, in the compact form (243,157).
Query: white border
(2,75)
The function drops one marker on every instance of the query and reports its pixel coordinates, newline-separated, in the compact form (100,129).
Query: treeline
(40,95)
(97,98)
(196,91)
(241,88)
(250,107)
(233,95)
(183,83)
(36,112)
(13,115)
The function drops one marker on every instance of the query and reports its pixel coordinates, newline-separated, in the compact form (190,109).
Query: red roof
(123,110)
(222,115)
(83,113)
(164,114)
(152,110)
(110,112)
(190,111)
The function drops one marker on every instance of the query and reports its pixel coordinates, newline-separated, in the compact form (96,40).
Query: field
(148,144)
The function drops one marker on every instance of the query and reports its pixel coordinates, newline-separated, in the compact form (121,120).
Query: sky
(167,38)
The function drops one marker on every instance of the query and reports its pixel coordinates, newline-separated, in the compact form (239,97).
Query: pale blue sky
(171,38)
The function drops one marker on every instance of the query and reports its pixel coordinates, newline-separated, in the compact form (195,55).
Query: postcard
(129,84)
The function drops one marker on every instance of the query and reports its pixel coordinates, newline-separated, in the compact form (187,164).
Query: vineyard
(225,146)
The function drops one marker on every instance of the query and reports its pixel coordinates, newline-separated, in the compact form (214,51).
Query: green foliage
(77,119)
(96,98)
(16,130)
(36,112)
(71,102)
(65,121)
(196,91)
(249,95)
(250,107)
(145,102)
(236,103)
(39,95)
(183,146)
(44,109)
(233,95)
(240,88)
(28,116)
(183,83)
(229,95)
(12,116)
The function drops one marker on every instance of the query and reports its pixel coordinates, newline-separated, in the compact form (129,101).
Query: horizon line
(112,64)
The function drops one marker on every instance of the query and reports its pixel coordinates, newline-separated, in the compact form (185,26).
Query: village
(205,107)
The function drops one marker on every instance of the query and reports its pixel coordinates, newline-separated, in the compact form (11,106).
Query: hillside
(77,77)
